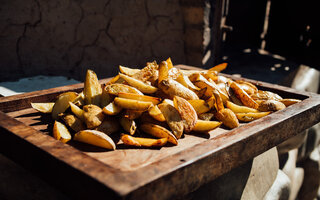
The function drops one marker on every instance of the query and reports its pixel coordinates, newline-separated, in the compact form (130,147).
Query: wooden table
(85,172)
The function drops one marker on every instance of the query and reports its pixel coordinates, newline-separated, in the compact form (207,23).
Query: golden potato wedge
(76,110)
(92,88)
(105,98)
(148,73)
(240,109)
(206,126)
(115,80)
(141,86)
(187,113)
(96,138)
(128,71)
(174,88)
(129,125)
(206,116)
(159,132)
(248,117)
(173,73)
(248,87)
(228,118)
(115,88)
(43,107)
(243,96)
(185,81)
(143,142)
(218,100)
(108,126)
(79,101)
(93,115)
(169,101)
(60,132)
(112,109)
(271,105)
(62,103)
(173,118)
(210,85)
(219,68)
(155,112)
(154,100)
(73,122)
(289,102)
(163,71)
(200,106)
(170,65)
(265,95)
(132,104)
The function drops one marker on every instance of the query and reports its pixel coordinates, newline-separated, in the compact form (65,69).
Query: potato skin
(93,115)
(228,118)
(271,105)
(174,88)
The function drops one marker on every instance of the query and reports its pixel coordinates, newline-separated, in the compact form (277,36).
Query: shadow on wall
(67,37)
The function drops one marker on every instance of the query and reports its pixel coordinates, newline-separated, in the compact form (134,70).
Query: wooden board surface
(168,172)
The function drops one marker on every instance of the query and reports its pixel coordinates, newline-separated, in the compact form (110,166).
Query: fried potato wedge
(154,100)
(185,81)
(243,96)
(115,88)
(169,62)
(240,109)
(93,115)
(201,82)
(143,142)
(115,79)
(271,105)
(156,113)
(159,132)
(228,118)
(173,118)
(187,113)
(43,107)
(289,102)
(163,71)
(108,126)
(132,104)
(76,110)
(206,116)
(128,71)
(141,86)
(206,126)
(79,101)
(60,132)
(265,95)
(112,109)
(96,138)
(174,88)
(200,106)
(248,117)
(62,103)
(92,88)
(148,73)
(105,98)
(219,68)
(129,125)
(73,122)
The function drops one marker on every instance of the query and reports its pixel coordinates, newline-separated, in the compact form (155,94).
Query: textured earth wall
(65,37)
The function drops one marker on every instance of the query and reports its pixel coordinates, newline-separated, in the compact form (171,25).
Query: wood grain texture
(130,173)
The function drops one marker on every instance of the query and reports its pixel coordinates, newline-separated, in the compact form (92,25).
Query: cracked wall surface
(65,37)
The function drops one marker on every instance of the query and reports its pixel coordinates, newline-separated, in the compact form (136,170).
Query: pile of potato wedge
(160,101)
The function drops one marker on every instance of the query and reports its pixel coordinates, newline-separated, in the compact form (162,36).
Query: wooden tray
(85,172)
